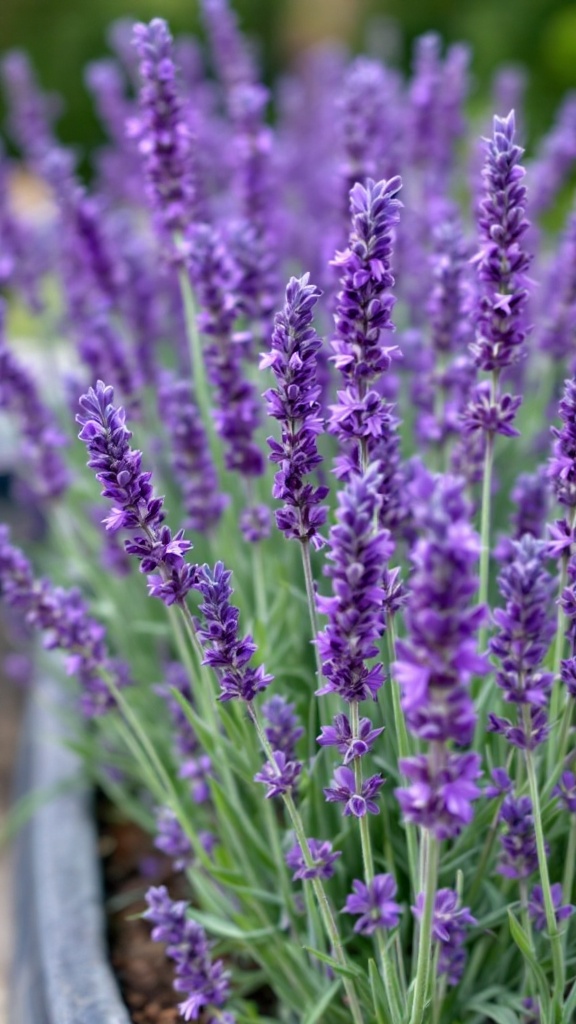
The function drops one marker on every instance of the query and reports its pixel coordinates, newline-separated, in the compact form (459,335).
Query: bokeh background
(540,35)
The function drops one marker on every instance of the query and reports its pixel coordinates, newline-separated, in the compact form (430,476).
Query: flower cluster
(449,931)
(204,981)
(63,616)
(437,660)
(119,468)
(162,132)
(295,404)
(525,628)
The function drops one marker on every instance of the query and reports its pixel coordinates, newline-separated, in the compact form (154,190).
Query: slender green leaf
(315,1013)
(523,942)
(349,971)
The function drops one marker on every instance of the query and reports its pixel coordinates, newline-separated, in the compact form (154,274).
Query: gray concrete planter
(61,973)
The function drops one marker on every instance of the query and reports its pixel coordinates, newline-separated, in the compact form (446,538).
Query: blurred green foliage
(63,35)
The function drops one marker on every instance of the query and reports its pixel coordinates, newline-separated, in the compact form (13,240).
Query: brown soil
(131,864)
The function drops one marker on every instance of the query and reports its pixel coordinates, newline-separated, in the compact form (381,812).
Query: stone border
(61,973)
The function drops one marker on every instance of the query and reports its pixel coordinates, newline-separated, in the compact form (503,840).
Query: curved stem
(404,750)
(319,891)
(551,924)
(389,975)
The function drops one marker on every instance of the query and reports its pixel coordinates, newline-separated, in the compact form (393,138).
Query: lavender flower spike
(204,981)
(162,131)
(502,262)
(119,468)
(355,622)
(295,403)
(375,903)
(437,661)
(63,616)
(224,651)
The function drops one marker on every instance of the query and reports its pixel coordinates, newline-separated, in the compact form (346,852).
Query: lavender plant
(353,733)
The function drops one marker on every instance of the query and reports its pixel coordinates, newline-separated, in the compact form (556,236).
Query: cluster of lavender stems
(170,269)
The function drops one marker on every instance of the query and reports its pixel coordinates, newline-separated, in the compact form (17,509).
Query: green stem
(319,891)
(425,936)
(259,584)
(311,596)
(553,758)
(568,880)
(200,383)
(553,933)
(404,750)
(389,975)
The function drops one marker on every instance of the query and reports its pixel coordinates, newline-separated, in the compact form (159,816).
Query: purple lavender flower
(295,403)
(204,981)
(358,554)
(236,407)
(502,784)
(501,262)
(519,858)
(223,650)
(118,468)
(282,726)
(31,112)
(255,523)
(340,735)
(555,157)
(439,797)
(537,910)
(437,659)
(42,437)
(566,791)
(193,467)
(369,121)
(63,616)
(163,136)
(344,790)
(375,903)
(449,931)
(197,770)
(562,466)
(171,839)
(279,774)
(363,310)
(233,60)
(525,628)
(531,497)
(323,857)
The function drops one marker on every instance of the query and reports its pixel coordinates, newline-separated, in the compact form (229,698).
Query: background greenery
(62,35)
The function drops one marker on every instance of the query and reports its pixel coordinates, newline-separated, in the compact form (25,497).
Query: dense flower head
(374,903)
(323,860)
(358,555)
(363,306)
(562,466)
(64,618)
(236,410)
(525,626)
(565,790)
(283,729)
(42,438)
(439,795)
(341,736)
(224,651)
(119,468)
(439,656)
(449,923)
(536,906)
(31,112)
(172,839)
(162,131)
(501,261)
(205,982)
(295,403)
(279,774)
(519,857)
(357,801)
